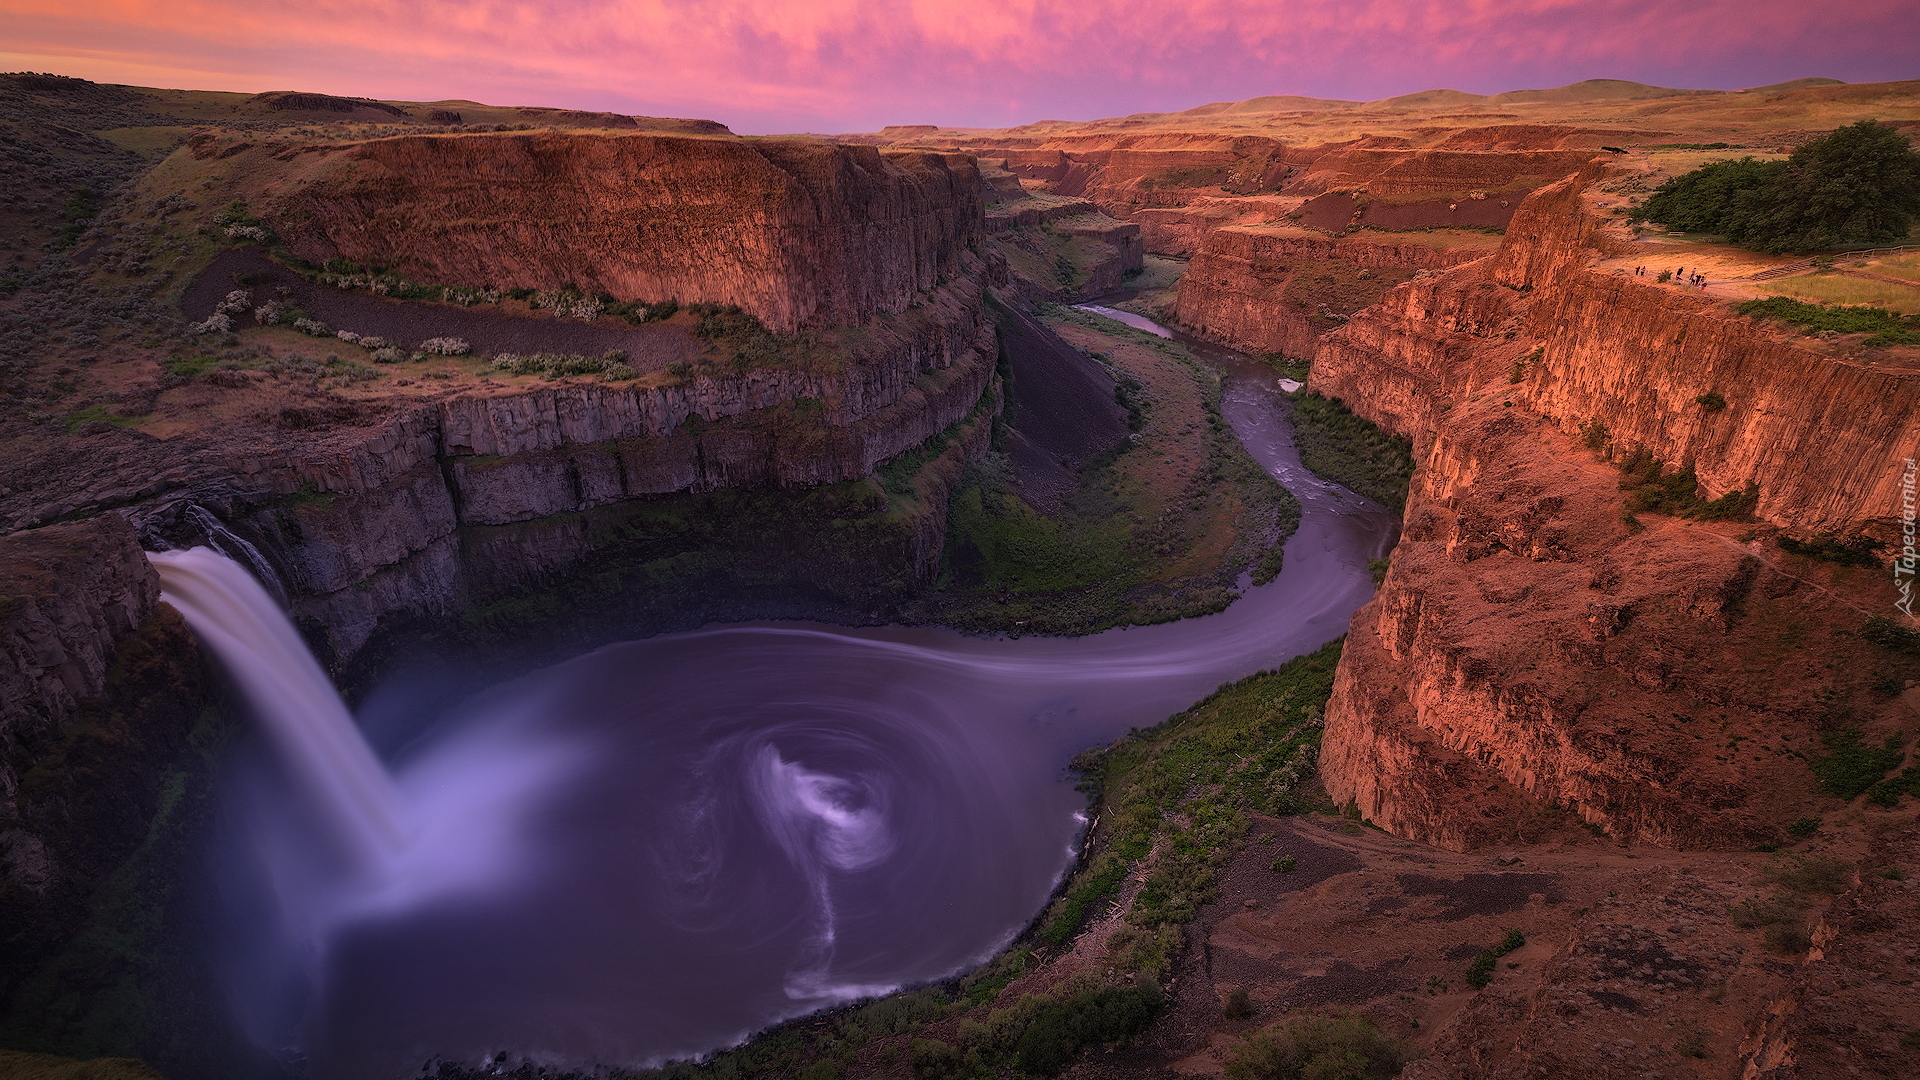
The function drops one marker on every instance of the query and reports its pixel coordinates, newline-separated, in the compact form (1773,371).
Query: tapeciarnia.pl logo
(1905,563)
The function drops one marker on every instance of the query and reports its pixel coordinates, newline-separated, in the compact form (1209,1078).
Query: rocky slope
(1531,649)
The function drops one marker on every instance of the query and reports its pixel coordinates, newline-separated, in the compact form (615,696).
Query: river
(654,850)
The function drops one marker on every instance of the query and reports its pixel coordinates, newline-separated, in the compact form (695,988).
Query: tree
(1698,201)
(1858,185)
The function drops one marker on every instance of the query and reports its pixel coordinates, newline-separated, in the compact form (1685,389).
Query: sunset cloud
(848,65)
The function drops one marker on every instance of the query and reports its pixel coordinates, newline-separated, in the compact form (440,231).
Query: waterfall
(304,717)
(235,546)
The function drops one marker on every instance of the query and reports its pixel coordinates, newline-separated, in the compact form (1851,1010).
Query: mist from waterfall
(654,850)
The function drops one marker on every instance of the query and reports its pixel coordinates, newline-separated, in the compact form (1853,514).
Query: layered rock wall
(1268,290)
(1531,652)
(799,233)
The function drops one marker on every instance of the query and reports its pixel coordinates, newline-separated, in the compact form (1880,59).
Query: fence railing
(1807,264)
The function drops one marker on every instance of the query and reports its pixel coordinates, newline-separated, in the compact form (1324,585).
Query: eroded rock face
(1532,652)
(799,233)
(71,592)
(1277,290)
(99,686)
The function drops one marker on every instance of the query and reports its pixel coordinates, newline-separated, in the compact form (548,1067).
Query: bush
(388,354)
(1856,552)
(1889,634)
(1711,401)
(313,327)
(1239,1004)
(1887,327)
(610,365)
(1851,767)
(445,346)
(1347,449)
(1858,185)
(1106,1014)
(1320,1047)
(1701,200)
(1285,864)
(1804,827)
(1480,972)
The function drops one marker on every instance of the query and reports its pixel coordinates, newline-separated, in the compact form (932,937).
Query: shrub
(1285,864)
(1347,449)
(216,323)
(1711,401)
(1319,1047)
(1804,827)
(1856,552)
(313,327)
(388,354)
(347,336)
(1851,767)
(236,302)
(611,364)
(1239,1004)
(1480,972)
(445,346)
(269,313)
(1889,634)
(1887,327)
(372,344)
(1104,1014)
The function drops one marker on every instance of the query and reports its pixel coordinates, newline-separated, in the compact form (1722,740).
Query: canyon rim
(1417,586)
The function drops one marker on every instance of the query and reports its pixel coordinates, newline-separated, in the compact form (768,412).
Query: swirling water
(654,850)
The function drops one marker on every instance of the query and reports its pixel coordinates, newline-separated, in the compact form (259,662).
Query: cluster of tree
(1859,185)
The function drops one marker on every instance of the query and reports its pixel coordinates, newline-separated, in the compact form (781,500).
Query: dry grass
(1839,289)
(1901,266)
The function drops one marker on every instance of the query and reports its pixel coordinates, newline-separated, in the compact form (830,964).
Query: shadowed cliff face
(1531,649)
(799,233)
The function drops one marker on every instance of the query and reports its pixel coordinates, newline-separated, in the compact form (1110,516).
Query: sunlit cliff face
(842,65)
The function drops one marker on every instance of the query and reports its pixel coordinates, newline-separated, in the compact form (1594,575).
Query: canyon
(1558,670)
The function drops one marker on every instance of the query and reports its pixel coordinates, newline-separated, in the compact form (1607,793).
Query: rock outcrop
(797,232)
(99,685)
(1278,289)
(1532,652)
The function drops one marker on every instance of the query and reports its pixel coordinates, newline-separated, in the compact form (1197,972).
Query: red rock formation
(796,232)
(1277,290)
(1528,649)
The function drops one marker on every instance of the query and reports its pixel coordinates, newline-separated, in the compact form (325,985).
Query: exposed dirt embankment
(799,233)
(1265,289)
(1535,650)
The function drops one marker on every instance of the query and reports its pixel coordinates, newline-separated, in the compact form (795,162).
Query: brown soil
(490,329)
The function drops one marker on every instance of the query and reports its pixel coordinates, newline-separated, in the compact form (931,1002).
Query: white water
(654,850)
(233,615)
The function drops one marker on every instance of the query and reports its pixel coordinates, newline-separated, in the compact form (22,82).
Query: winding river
(654,850)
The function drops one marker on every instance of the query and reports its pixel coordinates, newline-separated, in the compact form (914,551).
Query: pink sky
(853,65)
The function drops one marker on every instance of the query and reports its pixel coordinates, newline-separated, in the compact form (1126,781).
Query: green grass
(1183,790)
(1887,327)
(98,412)
(1340,446)
(1128,545)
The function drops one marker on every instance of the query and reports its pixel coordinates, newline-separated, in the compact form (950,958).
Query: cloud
(840,65)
